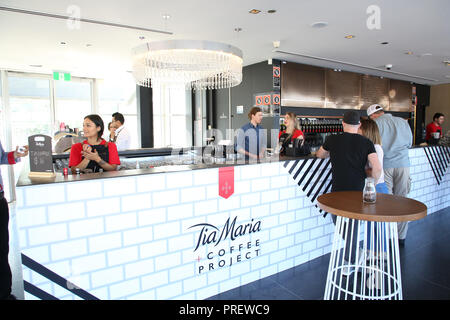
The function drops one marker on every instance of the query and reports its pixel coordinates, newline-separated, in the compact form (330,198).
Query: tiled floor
(425,264)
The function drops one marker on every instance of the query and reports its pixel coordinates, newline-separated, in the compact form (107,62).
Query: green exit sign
(62,76)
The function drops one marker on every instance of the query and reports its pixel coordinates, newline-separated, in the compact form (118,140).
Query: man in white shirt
(121,136)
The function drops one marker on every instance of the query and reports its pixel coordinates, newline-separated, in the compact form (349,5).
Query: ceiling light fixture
(319,24)
(271,11)
(350,36)
(384,43)
(254,11)
(194,64)
(409,53)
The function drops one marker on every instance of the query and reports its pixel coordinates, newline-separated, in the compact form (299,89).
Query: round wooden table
(366,241)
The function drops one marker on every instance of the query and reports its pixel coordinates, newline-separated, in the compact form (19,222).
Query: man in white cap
(396,139)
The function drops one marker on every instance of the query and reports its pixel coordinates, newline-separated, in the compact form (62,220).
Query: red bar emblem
(226,182)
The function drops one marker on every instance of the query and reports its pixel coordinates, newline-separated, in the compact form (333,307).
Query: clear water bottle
(369,192)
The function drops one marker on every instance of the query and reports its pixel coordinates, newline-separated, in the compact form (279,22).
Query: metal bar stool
(365,259)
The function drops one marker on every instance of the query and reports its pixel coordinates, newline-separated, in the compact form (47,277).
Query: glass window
(172,117)
(28,87)
(30,110)
(119,95)
(72,102)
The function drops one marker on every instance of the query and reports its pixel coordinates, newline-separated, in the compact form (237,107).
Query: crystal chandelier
(194,64)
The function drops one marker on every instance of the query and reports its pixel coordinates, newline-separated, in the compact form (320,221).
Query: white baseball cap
(373,108)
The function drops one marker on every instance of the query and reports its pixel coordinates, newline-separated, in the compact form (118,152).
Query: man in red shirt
(435,127)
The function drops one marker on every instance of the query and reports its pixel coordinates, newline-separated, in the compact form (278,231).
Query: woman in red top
(292,131)
(94,153)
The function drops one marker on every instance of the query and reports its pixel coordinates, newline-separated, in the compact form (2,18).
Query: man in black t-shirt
(349,153)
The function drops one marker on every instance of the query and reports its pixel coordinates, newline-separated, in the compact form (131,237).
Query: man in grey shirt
(396,139)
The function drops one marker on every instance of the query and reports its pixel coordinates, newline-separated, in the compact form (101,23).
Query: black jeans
(5,271)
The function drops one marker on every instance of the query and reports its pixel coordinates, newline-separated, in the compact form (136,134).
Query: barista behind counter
(94,153)
(251,139)
(292,140)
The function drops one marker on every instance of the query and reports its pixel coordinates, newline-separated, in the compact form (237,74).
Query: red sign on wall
(258,101)
(276,99)
(226,182)
(276,72)
(267,100)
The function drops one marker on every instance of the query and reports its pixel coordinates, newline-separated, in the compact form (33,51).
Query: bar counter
(188,231)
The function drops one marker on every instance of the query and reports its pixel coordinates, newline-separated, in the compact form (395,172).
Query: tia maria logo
(211,234)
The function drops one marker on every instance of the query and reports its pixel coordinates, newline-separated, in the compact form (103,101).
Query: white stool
(365,260)
(376,267)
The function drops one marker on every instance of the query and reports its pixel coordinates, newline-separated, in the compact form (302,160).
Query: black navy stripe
(441,156)
(432,168)
(47,273)
(293,166)
(440,160)
(37,292)
(318,178)
(436,161)
(313,174)
(321,186)
(307,170)
(445,155)
(300,169)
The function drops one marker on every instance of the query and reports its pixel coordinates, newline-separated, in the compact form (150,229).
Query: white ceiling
(422,27)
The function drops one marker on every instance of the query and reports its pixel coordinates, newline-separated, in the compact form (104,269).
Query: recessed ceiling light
(62,42)
(384,43)
(238,29)
(350,36)
(254,11)
(166,16)
(409,53)
(426,54)
(36,65)
(88,45)
(271,11)
(319,24)
(141,37)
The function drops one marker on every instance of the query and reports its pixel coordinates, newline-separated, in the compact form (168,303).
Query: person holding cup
(5,270)
(94,153)
(434,129)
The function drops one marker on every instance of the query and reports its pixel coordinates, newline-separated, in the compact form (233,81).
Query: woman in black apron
(94,153)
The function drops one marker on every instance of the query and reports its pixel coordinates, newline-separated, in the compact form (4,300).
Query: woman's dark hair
(118,117)
(437,116)
(97,120)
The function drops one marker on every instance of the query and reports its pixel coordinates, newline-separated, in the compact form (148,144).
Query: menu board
(374,90)
(40,153)
(342,89)
(302,86)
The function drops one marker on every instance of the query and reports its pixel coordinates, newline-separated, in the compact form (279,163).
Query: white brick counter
(133,237)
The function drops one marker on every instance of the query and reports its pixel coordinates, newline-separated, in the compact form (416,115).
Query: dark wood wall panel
(342,89)
(315,87)
(400,95)
(374,90)
(303,86)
